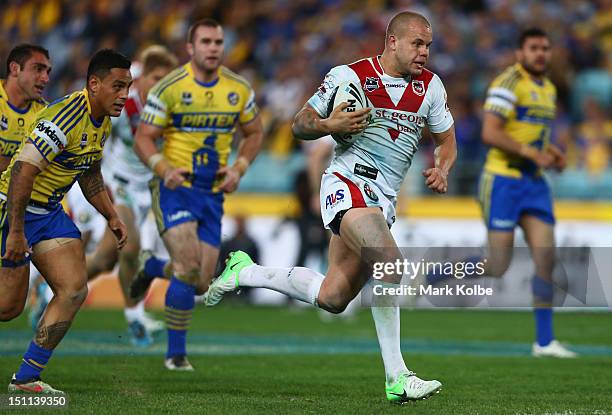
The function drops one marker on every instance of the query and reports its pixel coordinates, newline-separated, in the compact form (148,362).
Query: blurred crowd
(285,47)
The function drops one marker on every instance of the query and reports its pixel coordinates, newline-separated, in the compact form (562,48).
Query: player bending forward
(405,98)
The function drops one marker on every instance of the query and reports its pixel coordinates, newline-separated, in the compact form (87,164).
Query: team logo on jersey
(370,192)
(370,84)
(418,87)
(232,98)
(186,98)
(83,140)
(534,95)
(103,140)
(4,123)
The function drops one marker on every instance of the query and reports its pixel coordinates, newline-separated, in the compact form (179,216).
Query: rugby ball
(353,94)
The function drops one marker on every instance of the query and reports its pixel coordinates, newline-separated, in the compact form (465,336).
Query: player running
(28,69)
(195,109)
(519,111)
(128,178)
(365,179)
(64,146)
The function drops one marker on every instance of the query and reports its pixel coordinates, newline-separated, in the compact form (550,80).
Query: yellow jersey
(15,123)
(528,107)
(199,120)
(70,140)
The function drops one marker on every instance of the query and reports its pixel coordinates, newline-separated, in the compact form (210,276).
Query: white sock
(134,313)
(298,282)
(387,321)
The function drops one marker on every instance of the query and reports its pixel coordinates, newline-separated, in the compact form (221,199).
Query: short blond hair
(156,56)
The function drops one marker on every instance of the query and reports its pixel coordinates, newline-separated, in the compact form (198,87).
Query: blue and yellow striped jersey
(15,123)
(198,120)
(529,109)
(70,140)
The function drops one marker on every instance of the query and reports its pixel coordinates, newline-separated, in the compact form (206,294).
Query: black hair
(104,60)
(22,53)
(528,33)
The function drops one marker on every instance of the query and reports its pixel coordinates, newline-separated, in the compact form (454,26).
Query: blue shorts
(184,204)
(38,227)
(504,199)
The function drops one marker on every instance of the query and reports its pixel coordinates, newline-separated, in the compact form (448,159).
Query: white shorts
(341,192)
(129,191)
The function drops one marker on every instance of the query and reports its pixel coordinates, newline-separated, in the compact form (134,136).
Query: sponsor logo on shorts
(179,215)
(333,199)
(502,223)
(370,193)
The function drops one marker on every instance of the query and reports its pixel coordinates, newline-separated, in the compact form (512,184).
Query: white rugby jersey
(401,107)
(120,157)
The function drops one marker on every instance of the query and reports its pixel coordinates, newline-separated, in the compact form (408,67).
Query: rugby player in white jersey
(359,189)
(128,180)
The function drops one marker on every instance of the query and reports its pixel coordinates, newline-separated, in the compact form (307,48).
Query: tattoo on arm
(19,192)
(305,125)
(48,337)
(91,181)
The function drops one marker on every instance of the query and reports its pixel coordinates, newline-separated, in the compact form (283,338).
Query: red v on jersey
(368,71)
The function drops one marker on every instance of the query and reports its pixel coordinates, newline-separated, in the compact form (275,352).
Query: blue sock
(34,361)
(542,291)
(179,307)
(154,267)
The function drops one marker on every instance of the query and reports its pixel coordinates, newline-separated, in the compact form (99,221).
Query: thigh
(500,249)
(63,267)
(184,248)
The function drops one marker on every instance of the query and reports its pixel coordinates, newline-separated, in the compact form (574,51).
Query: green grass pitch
(286,360)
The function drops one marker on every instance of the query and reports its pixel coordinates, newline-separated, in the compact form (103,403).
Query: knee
(107,262)
(332,304)
(11,312)
(74,296)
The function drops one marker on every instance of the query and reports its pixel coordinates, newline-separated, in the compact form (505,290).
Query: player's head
(205,44)
(108,80)
(29,66)
(407,42)
(157,62)
(533,51)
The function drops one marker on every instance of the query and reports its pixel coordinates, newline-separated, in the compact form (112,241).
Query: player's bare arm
(92,185)
(308,124)
(144,145)
(445,156)
(493,134)
(20,189)
(250,145)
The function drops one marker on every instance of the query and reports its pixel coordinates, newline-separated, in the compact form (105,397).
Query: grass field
(280,360)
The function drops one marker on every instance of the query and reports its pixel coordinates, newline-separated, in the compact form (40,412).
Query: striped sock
(179,307)
(34,361)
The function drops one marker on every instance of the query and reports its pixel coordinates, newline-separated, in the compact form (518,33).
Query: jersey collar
(91,118)
(528,76)
(204,84)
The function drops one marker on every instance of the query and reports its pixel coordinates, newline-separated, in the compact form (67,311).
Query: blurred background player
(27,68)
(365,177)
(65,145)
(128,181)
(519,112)
(196,110)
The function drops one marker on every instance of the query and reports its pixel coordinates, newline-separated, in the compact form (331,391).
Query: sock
(387,321)
(134,313)
(542,291)
(154,267)
(34,361)
(298,282)
(179,307)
